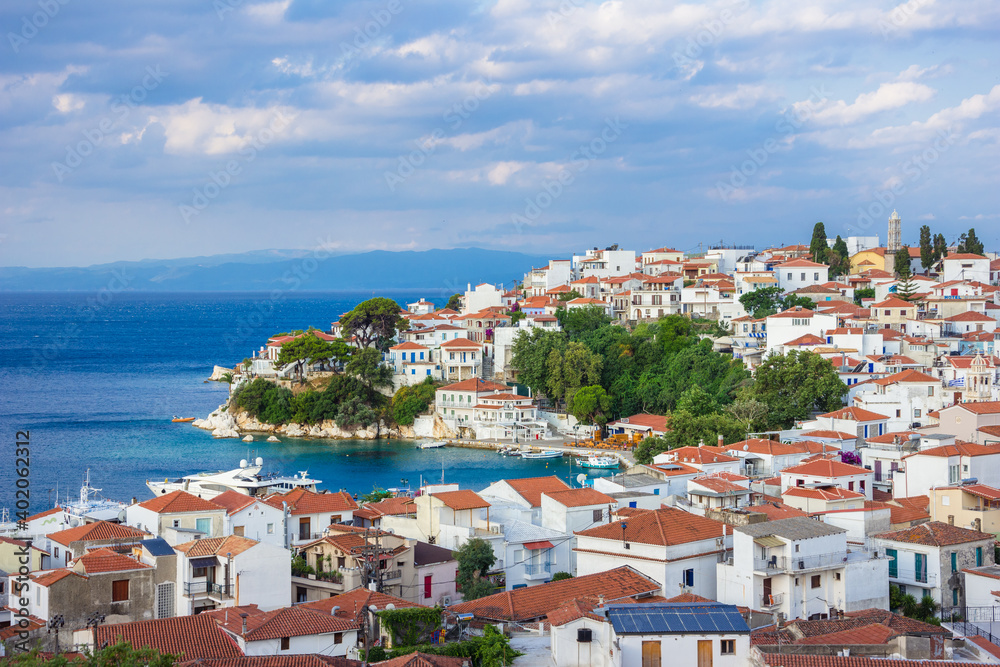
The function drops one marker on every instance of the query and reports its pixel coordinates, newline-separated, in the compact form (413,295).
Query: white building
(177,517)
(799,273)
(795,322)
(966,267)
(827,473)
(906,398)
(945,466)
(482,297)
(604,263)
(801,568)
(251,517)
(294,630)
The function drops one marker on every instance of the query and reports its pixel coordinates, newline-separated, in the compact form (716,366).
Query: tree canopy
(373,322)
(839,258)
(926,248)
(591,405)
(454,302)
(817,246)
(901,263)
(765,301)
(312,349)
(794,385)
(970,243)
(475,558)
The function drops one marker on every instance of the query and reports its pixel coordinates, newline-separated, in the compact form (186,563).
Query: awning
(204,562)
(538,545)
(769,541)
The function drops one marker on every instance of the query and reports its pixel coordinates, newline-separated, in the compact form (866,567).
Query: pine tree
(970,243)
(902,263)
(906,289)
(940,247)
(840,262)
(926,248)
(817,247)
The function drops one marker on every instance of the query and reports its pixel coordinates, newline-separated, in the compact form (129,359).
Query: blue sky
(155,130)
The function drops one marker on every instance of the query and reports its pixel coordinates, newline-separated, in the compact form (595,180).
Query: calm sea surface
(97,381)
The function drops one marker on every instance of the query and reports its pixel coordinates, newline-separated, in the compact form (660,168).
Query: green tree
(794,385)
(818,247)
(119,655)
(373,322)
(454,302)
(674,333)
(475,558)
(591,405)
(298,351)
(970,243)
(410,401)
(648,448)
(901,263)
(570,369)
(366,364)
(906,289)
(377,494)
(354,412)
(749,412)
(578,322)
(863,293)
(762,302)
(687,429)
(940,247)
(793,300)
(530,354)
(570,295)
(926,248)
(839,258)
(559,576)
(696,401)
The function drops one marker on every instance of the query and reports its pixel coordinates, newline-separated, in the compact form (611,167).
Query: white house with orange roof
(310,513)
(412,363)
(969,321)
(905,398)
(587,302)
(718,491)
(651,256)
(711,300)
(970,422)
(798,273)
(177,517)
(852,419)
(507,415)
(825,473)
(603,263)
(947,465)
(538,281)
(966,266)
(421,307)
(461,359)
(820,499)
(706,459)
(642,424)
(795,322)
(251,517)
(588,286)
(483,296)
(893,313)
(764,458)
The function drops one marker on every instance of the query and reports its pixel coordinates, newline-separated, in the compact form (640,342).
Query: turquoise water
(96,384)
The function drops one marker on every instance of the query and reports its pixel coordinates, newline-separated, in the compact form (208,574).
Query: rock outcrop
(223,424)
(218,372)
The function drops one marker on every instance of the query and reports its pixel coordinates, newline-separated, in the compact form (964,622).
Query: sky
(132,130)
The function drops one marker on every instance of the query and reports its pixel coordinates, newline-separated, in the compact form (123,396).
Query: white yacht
(246,479)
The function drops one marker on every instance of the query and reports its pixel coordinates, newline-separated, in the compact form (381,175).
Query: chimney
(721,441)
(244,615)
(600,600)
(333,612)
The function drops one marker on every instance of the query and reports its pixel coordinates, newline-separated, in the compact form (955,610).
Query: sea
(95,378)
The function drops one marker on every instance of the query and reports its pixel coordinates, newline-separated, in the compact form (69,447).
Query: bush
(409,402)
(559,576)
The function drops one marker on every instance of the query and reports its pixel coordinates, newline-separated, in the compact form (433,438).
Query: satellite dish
(746,448)
(390,606)
(581,479)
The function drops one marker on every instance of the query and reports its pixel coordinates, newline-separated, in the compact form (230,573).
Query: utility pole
(370,556)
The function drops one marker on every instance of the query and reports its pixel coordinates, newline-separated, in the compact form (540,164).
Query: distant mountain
(437,271)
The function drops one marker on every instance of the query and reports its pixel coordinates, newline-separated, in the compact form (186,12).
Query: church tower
(978,381)
(894,243)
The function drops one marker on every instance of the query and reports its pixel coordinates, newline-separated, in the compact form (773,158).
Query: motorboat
(431,444)
(246,479)
(542,454)
(600,462)
(91,507)
(181,420)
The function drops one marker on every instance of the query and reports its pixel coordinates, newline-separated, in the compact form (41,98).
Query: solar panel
(677,618)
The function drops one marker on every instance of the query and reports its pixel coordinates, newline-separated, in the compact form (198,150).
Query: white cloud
(214,129)
(888,96)
(67,102)
(744,97)
(947,119)
(502,171)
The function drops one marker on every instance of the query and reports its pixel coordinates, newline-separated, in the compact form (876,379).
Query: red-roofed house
(251,517)
(963,420)
(820,499)
(289,631)
(828,473)
(73,542)
(769,457)
(668,545)
(177,517)
(718,491)
(309,513)
(967,267)
(863,423)
(947,465)
(973,506)
(706,459)
(799,273)
(905,398)
(794,323)
(642,424)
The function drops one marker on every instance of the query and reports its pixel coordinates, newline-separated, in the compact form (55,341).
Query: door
(304,529)
(893,563)
(767,591)
(427,586)
(651,654)
(704,653)
(878,470)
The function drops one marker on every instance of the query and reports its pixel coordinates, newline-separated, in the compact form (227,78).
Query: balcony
(388,575)
(772,601)
(913,578)
(537,570)
(211,589)
(803,563)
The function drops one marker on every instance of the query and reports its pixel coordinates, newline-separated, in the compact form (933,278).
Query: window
(916,412)
(177,523)
(920,567)
(954,562)
(802,276)
(836,576)
(979,556)
(119,590)
(893,564)
(816,276)
(789,276)
(651,654)
(945,500)
(816,581)
(55,552)
(689,577)
(165,600)
(727,647)
(238,531)
(797,548)
(338,638)
(598,515)
(270,529)
(930,391)
(200,572)
(954,597)
(204,526)
(284,643)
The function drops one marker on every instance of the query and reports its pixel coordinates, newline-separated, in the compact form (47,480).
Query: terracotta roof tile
(353,603)
(535,602)
(474,384)
(826,493)
(461,500)
(106,560)
(875,633)
(302,501)
(532,488)
(48,577)
(424,660)
(286,622)
(214,546)
(234,501)
(936,534)
(855,414)
(826,468)
(666,526)
(580,497)
(190,636)
(179,501)
(97,531)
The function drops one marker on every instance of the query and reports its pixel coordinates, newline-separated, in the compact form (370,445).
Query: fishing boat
(542,454)
(601,462)
(246,479)
(91,506)
(177,419)
(431,444)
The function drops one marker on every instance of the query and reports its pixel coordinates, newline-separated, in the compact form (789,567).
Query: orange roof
(536,602)
(825,493)
(776,510)
(106,560)
(936,534)
(982,408)
(193,637)
(353,603)
(579,497)
(40,515)
(876,633)
(797,311)
(958,449)
(460,343)
(855,414)
(387,507)
(908,375)
(719,485)
(654,422)
(807,339)
(532,488)
(461,500)
(48,577)
(894,302)
(825,468)
(216,546)
(408,345)
(666,526)
(970,316)
(285,622)
(701,455)
(829,435)
(474,384)
(97,531)
(179,501)
(234,501)
(801,263)
(573,610)
(302,501)
(964,255)
(897,514)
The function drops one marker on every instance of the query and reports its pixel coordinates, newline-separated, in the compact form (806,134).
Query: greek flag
(960,382)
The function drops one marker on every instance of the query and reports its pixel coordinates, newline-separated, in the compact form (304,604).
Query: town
(803,446)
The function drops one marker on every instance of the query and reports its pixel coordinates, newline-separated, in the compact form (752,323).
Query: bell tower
(978,381)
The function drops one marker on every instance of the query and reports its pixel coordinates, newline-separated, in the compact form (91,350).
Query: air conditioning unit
(445,600)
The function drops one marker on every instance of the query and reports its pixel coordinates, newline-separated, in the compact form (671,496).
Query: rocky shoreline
(224,424)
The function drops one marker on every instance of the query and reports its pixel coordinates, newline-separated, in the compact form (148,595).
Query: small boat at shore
(542,454)
(431,444)
(178,420)
(599,462)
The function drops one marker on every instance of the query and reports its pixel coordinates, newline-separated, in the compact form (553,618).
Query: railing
(772,600)
(801,562)
(392,574)
(205,588)
(308,536)
(913,578)
(537,568)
